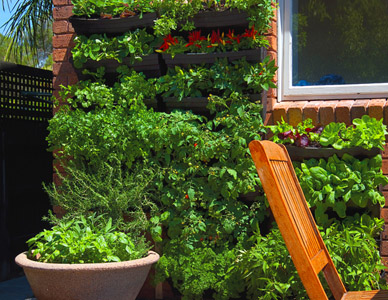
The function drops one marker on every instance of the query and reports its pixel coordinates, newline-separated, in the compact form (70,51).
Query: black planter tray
(195,104)
(149,65)
(113,26)
(215,19)
(299,153)
(185,59)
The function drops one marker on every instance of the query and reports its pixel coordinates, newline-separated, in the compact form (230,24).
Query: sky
(5,15)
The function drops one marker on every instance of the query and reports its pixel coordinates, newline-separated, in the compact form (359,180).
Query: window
(333,49)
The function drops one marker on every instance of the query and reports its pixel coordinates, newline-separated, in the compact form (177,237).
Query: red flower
(195,36)
(250,33)
(233,37)
(216,38)
(195,144)
(168,41)
(187,196)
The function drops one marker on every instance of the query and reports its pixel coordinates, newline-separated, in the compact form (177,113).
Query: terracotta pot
(118,281)
(253,55)
(88,26)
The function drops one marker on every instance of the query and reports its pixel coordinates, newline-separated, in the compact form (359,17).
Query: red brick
(63,41)
(384,214)
(384,248)
(295,113)
(384,234)
(311,111)
(61,54)
(280,112)
(72,78)
(376,108)
(64,67)
(273,43)
(326,112)
(273,30)
(272,93)
(342,111)
(271,101)
(385,194)
(61,2)
(385,114)
(59,80)
(62,12)
(268,119)
(385,166)
(359,109)
(384,153)
(61,26)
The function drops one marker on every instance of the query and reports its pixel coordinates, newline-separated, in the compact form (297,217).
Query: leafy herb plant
(89,239)
(112,8)
(365,132)
(132,45)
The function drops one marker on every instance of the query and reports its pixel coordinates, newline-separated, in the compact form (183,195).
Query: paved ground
(16,289)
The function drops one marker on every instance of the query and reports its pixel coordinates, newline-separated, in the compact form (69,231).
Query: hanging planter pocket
(299,153)
(183,60)
(87,26)
(217,19)
(149,66)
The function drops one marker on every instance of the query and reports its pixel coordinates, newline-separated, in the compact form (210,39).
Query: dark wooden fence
(25,108)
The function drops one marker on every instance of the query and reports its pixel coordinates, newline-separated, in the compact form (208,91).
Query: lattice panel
(25,93)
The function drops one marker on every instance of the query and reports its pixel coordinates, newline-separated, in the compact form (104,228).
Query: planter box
(195,104)
(89,26)
(150,66)
(186,59)
(216,19)
(298,153)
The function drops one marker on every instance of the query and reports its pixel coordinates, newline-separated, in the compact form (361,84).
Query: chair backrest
(295,220)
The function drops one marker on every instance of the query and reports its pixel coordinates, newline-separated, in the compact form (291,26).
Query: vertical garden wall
(155,134)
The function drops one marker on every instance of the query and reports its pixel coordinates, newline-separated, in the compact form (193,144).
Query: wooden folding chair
(297,225)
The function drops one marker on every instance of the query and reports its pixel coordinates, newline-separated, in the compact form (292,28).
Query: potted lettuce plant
(86,258)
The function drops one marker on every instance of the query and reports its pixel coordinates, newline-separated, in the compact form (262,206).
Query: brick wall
(293,112)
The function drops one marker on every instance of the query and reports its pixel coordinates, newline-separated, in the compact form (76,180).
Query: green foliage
(132,45)
(125,197)
(90,239)
(270,274)
(204,269)
(177,14)
(132,89)
(332,183)
(112,8)
(220,79)
(365,132)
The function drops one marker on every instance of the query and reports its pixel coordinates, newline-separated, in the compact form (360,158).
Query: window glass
(339,42)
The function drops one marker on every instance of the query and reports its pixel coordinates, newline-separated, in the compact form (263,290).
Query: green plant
(128,199)
(334,183)
(270,274)
(179,14)
(132,45)
(221,79)
(90,239)
(112,8)
(131,89)
(365,132)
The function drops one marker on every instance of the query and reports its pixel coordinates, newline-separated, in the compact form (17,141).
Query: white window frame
(289,92)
